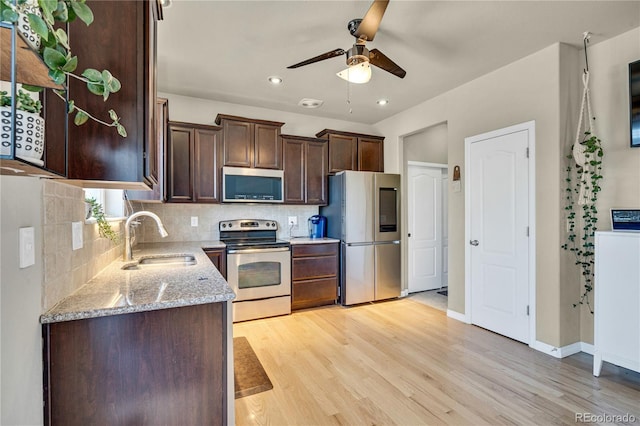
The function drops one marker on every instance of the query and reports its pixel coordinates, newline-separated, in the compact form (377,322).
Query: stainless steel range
(258,268)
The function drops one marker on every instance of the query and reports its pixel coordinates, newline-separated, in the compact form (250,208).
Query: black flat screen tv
(634,102)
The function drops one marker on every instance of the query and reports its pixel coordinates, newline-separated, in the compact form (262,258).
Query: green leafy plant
(24,102)
(580,238)
(56,51)
(104,227)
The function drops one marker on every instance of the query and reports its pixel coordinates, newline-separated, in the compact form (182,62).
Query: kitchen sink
(169,260)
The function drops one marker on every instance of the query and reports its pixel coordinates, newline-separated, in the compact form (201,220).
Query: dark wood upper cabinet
(192,167)
(251,143)
(354,151)
(305,170)
(370,154)
(122,39)
(180,163)
(156,156)
(317,160)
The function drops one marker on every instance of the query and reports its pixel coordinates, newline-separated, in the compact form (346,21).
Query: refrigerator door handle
(358,244)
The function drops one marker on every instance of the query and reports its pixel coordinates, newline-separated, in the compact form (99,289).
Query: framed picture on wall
(634,102)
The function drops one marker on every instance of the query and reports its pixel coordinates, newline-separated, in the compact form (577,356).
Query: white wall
(528,89)
(609,78)
(204,111)
(429,145)
(21,295)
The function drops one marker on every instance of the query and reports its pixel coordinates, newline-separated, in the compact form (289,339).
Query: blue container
(317,226)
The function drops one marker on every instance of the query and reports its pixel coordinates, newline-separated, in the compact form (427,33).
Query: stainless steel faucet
(128,252)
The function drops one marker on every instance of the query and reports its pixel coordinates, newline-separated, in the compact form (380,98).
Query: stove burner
(244,234)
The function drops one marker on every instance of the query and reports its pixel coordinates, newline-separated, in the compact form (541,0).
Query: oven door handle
(265,250)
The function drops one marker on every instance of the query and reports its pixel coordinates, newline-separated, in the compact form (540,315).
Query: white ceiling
(225,50)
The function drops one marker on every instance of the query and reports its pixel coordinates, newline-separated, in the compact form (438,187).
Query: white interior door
(445,227)
(499,247)
(425,227)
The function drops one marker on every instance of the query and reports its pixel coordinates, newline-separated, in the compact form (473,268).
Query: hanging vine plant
(583,187)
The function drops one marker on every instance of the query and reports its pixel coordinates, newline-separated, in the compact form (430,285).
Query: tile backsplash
(177,219)
(66,270)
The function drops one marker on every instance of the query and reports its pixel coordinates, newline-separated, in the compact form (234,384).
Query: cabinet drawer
(299,250)
(307,294)
(314,267)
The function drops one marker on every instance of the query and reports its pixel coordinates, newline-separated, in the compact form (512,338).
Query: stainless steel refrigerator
(364,213)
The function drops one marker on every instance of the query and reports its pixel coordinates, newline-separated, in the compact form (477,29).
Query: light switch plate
(76,235)
(194,220)
(293,221)
(27,246)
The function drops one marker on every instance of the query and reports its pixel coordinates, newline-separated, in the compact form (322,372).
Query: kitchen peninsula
(143,342)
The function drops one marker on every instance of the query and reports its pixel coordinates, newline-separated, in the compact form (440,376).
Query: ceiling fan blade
(378,59)
(371,21)
(328,55)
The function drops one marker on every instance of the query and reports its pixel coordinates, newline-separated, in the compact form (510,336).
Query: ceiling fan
(359,57)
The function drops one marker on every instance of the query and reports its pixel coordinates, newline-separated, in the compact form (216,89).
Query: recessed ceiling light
(165,3)
(310,103)
(382,101)
(275,80)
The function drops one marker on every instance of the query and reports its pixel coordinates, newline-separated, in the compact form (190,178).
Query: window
(111,200)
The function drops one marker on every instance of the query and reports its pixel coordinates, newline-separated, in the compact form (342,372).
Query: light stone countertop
(116,291)
(307,240)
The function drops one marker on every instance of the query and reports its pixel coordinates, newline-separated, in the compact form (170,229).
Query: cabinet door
(294,182)
(206,169)
(157,192)
(343,153)
(267,147)
(370,155)
(120,40)
(180,164)
(219,260)
(238,143)
(316,164)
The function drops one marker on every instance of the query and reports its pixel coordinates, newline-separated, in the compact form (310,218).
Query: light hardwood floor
(401,362)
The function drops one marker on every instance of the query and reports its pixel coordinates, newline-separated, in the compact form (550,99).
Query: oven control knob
(230,225)
(268,224)
(224,225)
(273,224)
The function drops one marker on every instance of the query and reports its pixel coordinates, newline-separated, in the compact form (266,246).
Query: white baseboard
(404,293)
(587,348)
(457,316)
(563,351)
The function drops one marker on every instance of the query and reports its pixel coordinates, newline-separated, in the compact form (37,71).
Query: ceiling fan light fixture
(359,73)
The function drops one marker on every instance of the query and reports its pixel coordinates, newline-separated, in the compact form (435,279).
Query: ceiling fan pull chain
(349,97)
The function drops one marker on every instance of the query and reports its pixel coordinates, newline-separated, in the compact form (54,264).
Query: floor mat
(248,374)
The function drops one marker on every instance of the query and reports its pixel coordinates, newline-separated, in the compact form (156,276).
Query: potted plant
(29,126)
(55,50)
(104,227)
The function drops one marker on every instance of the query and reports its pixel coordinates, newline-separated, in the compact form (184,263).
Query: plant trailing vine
(56,52)
(580,238)
(104,227)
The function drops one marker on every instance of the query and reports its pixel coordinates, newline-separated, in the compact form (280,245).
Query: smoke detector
(310,103)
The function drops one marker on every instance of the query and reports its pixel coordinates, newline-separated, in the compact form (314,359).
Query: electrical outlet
(293,221)
(194,220)
(76,235)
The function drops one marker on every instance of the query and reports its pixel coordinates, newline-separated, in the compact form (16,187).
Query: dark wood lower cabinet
(219,259)
(147,368)
(314,275)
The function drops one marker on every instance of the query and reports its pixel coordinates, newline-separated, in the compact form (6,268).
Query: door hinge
(527,231)
(527,153)
(527,310)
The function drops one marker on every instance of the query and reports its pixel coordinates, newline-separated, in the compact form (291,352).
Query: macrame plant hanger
(581,159)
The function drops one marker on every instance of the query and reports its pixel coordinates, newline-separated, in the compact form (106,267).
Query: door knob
(409,234)
(474,242)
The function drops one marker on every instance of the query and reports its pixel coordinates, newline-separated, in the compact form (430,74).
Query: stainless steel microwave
(244,185)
